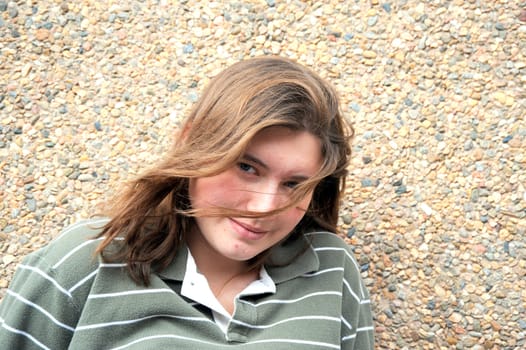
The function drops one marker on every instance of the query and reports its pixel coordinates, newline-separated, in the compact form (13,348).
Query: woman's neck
(210,262)
(226,277)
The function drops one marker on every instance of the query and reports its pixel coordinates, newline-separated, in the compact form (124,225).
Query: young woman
(229,242)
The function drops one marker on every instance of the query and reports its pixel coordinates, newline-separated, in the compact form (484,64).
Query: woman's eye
(291,184)
(247,168)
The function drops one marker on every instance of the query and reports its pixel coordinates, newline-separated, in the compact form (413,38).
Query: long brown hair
(153,215)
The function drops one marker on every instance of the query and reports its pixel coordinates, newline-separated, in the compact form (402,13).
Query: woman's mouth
(247,231)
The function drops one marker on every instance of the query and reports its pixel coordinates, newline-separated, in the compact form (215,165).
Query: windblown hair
(153,216)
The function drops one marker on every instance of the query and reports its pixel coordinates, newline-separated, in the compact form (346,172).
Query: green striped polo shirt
(64,297)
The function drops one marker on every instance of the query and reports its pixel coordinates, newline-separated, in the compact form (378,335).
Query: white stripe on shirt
(25,334)
(352,336)
(290,301)
(130,292)
(296,341)
(76,249)
(46,276)
(365,329)
(321,249)
(350,290)
(277,340)
(126,322)
(92,274)
(312,274)
(41,309)
(301,318)
(349,256)
(358,330)
(82,281)
(345,322)
(89,222)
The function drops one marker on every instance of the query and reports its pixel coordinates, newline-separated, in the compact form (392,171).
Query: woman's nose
(265,199)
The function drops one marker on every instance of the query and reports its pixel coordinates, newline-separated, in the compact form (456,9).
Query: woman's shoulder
(319,238)
(332,250)
(51,286)
(73,249)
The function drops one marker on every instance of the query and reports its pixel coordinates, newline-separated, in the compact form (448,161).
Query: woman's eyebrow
(253,159)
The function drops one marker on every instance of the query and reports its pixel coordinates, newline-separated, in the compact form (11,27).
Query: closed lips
(248,227)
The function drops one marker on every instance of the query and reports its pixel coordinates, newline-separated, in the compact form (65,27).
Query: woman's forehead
(284,148)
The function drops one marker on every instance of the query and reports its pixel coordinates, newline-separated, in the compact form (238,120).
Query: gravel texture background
(91,91)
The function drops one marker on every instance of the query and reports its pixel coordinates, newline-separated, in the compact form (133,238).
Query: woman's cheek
(299,212)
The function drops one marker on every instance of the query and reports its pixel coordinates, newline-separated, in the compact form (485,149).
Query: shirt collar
(177,268)
(196,287)
(304,259)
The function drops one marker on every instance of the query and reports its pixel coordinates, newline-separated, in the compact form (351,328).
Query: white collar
(195,287)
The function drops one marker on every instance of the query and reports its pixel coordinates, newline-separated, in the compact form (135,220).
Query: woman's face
(275,161)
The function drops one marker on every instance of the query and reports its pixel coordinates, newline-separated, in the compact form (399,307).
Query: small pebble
(188,48)
(355,107)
